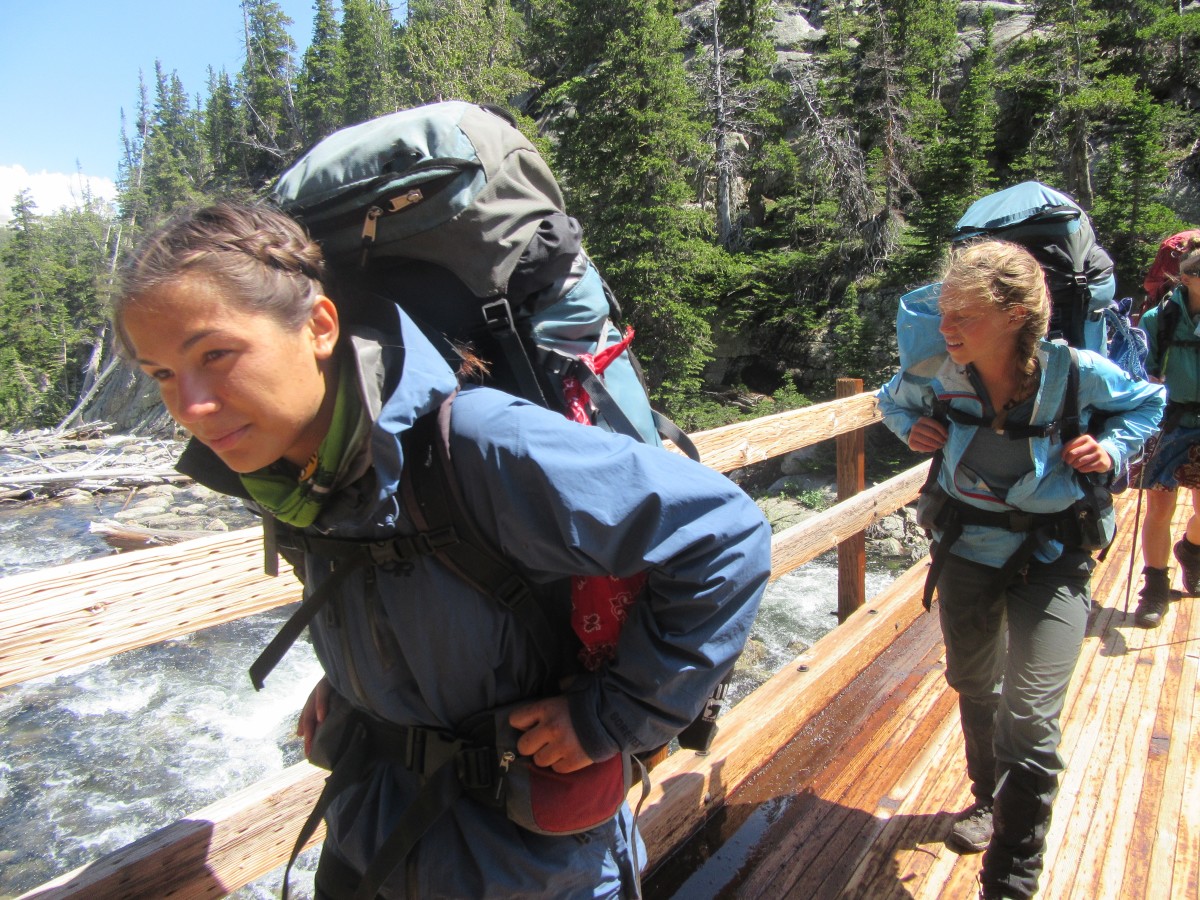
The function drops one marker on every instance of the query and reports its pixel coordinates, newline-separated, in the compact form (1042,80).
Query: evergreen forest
(758,180)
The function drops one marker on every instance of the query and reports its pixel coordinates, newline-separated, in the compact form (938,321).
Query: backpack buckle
(433,541)
(513,592)
(497,315)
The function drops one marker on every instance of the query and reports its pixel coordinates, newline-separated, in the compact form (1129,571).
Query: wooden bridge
(839,777)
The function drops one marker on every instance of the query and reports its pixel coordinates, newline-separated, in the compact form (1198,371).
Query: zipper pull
(506,760)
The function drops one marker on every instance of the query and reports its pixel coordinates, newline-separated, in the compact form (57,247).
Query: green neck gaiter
(297,499)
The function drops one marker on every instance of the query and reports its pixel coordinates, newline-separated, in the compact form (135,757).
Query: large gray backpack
(450,211)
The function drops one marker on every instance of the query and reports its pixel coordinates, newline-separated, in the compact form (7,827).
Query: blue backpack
(448,210)
(1056,230)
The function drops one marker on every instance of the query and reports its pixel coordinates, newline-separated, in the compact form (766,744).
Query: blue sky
(68,68)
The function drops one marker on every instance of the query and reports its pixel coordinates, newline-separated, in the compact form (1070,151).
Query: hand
(927,435)
(549,735)
(1084,454)
(316,707)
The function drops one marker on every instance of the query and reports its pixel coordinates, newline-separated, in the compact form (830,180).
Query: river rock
(783,512)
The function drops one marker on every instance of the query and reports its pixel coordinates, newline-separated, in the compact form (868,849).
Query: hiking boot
(1188,555)
(972,831)
(1154,595)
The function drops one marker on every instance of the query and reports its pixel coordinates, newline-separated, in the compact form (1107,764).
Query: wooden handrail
(744,443)
(87,611)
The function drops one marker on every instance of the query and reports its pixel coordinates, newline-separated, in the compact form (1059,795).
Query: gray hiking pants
(1010,658)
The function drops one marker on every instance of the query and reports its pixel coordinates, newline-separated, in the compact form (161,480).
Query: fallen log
(114,477)
(134,537)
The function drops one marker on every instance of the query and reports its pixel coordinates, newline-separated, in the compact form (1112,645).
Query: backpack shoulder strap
(1069,420)
(432,497)
(1168,321)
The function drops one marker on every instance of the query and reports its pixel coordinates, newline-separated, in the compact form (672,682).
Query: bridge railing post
(851,479)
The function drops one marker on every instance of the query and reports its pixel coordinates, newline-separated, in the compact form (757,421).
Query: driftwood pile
(37,465)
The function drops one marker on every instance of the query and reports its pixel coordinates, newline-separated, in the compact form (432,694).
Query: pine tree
(1129,211)
(49,311)
(175,160)
(621,157)
(371,53)
(464,50)
(743,103)
(265,85)
(957,168)
(321,91)
(223,127)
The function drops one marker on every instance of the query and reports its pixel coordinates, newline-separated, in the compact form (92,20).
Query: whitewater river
(100,756)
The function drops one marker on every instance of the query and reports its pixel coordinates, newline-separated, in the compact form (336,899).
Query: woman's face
(247,386)
(978,331)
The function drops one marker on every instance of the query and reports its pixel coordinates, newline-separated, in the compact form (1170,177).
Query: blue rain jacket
(926,372)
(422,647)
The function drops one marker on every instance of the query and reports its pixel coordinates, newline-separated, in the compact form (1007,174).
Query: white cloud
(51,190)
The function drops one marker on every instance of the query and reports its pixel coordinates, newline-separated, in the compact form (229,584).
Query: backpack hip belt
(351,743)
(953,515)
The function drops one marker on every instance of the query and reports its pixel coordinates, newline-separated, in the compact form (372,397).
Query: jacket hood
(402,376)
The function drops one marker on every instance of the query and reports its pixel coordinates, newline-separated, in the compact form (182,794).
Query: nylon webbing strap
(609,408)
(675,434)
(439,792)
(500,323)
(446,766)
(435,503)
(348,555)
(292,628)
(351,766)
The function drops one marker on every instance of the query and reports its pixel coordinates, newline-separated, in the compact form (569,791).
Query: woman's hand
(316,707)
(927,435)
(549,735)
(1084,454)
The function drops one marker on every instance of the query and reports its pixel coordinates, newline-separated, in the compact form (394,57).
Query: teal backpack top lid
(1030,205)
(471,188)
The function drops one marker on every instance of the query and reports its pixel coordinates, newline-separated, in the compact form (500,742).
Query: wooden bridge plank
(849,791)
(1186,879)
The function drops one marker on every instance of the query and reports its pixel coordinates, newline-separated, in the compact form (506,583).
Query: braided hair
(260,255)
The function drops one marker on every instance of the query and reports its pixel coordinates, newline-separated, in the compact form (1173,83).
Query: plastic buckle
(399,549)
(431,542)
(512,592)
(497,315)
(476,767)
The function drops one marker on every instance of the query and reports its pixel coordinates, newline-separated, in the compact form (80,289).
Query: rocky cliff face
(129,401)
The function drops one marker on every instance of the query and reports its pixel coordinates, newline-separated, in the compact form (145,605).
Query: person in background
(226,308)
(1009,559)
(1172,457)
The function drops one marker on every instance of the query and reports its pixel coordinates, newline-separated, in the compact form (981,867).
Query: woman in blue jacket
(1172,458)
(981,389)
(225,308)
